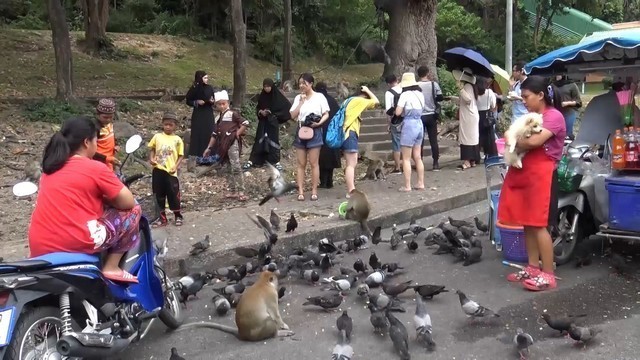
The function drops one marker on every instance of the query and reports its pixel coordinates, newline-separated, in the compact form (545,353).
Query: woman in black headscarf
(200,97)
(329,158)
(273,110)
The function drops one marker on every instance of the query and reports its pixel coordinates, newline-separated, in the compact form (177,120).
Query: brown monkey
(342,89)
(257,314)
(375,169)
(358,209)
(288,86)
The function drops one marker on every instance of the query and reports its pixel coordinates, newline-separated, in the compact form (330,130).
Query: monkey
(375,169)
(358,209)
(287,86)
(257,314)
(342,89)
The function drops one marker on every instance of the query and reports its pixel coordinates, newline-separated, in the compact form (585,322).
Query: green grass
(27,67)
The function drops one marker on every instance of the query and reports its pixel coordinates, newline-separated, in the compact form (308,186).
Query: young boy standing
(106,151)
(166,151)
(227,139)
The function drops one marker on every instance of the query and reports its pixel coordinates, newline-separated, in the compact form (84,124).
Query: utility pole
(508,46)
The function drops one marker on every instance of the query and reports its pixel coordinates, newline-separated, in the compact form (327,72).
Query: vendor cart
(495,172)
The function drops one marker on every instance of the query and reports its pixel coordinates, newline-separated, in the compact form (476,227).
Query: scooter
(60,305)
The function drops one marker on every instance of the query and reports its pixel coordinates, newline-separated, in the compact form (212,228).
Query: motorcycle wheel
(564,243)
(171,313)
(45,318)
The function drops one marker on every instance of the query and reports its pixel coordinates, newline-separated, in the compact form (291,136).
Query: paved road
(610,302)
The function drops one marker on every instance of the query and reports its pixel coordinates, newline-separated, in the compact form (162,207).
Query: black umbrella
(459,58)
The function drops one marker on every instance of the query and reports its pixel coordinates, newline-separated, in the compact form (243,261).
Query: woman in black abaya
(273,110)
(329,158)
(200,97)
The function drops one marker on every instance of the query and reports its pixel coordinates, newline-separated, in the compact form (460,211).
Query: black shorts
(553,202)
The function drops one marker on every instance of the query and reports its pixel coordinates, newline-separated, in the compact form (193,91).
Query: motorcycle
(60,305)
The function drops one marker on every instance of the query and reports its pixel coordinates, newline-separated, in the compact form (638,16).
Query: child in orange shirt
(106,151)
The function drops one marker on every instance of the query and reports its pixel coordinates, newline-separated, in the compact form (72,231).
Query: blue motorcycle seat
(65,258)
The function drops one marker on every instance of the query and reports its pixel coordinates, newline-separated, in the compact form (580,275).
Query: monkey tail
(365,228)
(208,324)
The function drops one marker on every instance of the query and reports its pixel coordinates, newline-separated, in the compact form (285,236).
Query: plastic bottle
(618,151)
(631,150)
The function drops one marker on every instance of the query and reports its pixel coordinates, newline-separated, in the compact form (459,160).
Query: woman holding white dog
(469,129)
(529,195)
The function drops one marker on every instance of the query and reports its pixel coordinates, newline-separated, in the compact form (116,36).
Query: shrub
(54,111)
(447,82)
(248,111)
(128,105)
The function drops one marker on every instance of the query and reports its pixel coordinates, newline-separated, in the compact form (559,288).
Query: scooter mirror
(24,188)
(133,144)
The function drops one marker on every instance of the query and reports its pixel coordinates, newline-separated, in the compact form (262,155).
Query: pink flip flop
(122,276)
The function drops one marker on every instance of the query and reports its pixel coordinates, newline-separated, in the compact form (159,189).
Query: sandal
(314,197)
(178,221)
(300,197)
(247,165)
(121,276)
(242,197)
(159,223)
(231,196)
(404,189)
(279,167)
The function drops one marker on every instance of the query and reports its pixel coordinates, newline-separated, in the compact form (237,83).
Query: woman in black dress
(329,158)
(273,110)
(200,97)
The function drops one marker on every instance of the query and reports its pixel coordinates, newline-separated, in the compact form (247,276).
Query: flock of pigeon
(312,264)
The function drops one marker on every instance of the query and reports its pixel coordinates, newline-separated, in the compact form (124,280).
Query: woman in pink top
(529,196)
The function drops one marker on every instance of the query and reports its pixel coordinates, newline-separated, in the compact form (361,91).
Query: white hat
(221,95)
(465,75)
(408,79)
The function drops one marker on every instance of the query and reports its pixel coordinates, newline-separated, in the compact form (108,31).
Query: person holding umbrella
(469,134)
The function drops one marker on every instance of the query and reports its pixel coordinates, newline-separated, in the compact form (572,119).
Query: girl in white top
(486,104)
(309,102)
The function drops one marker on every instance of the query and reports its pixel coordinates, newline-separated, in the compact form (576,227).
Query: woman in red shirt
(529,196)
(82,207)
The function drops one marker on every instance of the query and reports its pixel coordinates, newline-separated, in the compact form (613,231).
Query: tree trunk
(239,30)
(62,50)
(96,17)
(412,36)
(287,57)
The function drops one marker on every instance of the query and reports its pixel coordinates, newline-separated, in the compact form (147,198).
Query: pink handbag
(305,133)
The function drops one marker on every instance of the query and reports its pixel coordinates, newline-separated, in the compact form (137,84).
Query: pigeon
(274,219)
(325,302)
(376,278)
(396,289)
(459,223)
(619,264)
(347,271)
(190,285)
(326,263)
(415,228)
(246,252)
(375,237)
(471,255)
(480,225)
(395,238)
(399,336)
(233,299)
(237,274)
(522,341)
(472,308)
(384,302)
(277,185)
(360,242)
(310,275)
(583,255)
(391,267)
(183,270)
(412,245)
(378,319)
(175,355)
(422,321)
(292,224)
(374,262)
(270,236)
(200,246)
(561,324)
(221,304)
(341,284)
(583,334)
(429,291)
(342,351)
(359,266)
(327,246)
(345,323)
(281,292)
(363,290)
(231,289)
(467,232)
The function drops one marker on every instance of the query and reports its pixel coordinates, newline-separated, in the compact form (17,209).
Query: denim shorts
(315,142)
(395,137)
(412,132)
(350,144)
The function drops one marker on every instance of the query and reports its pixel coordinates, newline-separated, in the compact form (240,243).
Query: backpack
(395,120)
(335,130)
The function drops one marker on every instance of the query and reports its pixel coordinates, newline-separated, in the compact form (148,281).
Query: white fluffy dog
(523,127)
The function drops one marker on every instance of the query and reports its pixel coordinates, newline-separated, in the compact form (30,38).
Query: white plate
(5,325)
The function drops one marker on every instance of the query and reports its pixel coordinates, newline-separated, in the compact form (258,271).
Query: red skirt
(529,195)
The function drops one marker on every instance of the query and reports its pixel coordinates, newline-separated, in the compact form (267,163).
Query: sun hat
(465,75)
(408,79)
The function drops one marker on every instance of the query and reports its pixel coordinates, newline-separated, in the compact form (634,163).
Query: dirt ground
(22,142)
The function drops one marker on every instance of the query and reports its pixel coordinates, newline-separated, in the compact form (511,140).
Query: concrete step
(370,120)
(386,145)
(368,136)
(368,128)
(387,154)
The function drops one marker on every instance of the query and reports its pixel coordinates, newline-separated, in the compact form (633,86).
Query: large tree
(96,17)
(287,72)
(412,34)
(62,50)
(239,29)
